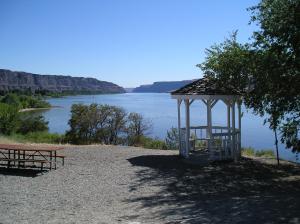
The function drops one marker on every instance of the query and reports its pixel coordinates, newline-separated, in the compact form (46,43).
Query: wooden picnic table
(24,153)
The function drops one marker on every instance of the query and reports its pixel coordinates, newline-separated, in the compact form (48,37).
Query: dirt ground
(112,184)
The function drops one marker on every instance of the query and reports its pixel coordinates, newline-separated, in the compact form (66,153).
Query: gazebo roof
(205,86)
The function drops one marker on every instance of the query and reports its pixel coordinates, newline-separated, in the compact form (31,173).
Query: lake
(161,110)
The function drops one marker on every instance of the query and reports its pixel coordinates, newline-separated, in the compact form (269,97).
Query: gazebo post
(187,126)
(228,115)
(240,126)
(179,126)
(209,124)
(228,125)
(233,132)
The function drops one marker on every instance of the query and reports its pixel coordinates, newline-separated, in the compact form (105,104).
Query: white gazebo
(220,143)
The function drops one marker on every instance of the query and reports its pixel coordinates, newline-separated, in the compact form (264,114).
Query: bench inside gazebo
(211,142)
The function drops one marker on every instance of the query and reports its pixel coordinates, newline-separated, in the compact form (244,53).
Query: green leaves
(105,124)
(24,101)
(266,70)
(9,118)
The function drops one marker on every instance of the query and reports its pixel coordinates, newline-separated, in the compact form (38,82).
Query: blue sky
(128,42)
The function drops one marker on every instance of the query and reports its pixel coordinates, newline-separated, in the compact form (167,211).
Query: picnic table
(20,155)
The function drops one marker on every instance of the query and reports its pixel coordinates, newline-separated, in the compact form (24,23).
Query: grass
(150,143)
(6,140)
(33,137)
(249,151)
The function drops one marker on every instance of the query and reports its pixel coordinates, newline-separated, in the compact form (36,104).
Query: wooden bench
(62,157)
(24,154)
(42,162)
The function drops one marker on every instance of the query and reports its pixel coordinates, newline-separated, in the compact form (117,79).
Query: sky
(128,42)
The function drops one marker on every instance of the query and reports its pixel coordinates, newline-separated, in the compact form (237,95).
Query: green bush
(258,153)
(104,124)
(172,139)
(9,118)
(24,101)
(11,99)
(32,123)
(96,124)
(150,143)
(249,151)
(39,137)
(265,153)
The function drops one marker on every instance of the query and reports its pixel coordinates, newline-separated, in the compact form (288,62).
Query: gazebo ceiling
(206,87)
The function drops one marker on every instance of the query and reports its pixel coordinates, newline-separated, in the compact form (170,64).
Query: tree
(266,70)
(88,124)
(78,132)
(9,118)
(116,125)
(29,122)
(11,99)
(226,63)
(278,40)
(104,124)
(136,128)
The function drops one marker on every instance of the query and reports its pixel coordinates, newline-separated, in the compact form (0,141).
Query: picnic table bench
(20,155)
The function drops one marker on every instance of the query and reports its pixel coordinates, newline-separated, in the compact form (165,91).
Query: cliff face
(10,80)
(161,87)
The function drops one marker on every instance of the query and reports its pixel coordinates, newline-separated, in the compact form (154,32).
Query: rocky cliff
(10,80)
(161,87)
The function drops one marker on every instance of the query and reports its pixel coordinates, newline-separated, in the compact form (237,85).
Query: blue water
(161,110)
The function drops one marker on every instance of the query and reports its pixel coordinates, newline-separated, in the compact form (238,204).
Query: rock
(161,87)
(11,80)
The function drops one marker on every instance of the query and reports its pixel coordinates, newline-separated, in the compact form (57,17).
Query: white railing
(220,146)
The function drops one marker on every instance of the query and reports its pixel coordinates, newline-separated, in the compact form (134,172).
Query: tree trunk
(276,144)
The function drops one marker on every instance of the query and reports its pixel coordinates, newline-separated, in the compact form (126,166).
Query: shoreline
(35,109)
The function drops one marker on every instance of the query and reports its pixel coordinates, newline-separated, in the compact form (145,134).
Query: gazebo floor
(198,157)
(201,158)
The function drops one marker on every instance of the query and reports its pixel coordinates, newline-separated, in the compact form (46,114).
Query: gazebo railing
(221,145)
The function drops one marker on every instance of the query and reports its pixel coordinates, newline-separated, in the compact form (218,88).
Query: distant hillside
(161,87)
(129,90)
(23,81)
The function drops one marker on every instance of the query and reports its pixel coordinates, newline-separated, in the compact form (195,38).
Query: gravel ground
(111,184)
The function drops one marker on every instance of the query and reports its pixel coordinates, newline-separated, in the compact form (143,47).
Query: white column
(240,128)
(209,125)
(228,129)
(179,126)
(228,115)
(233,132)
(208,116)
(187,126)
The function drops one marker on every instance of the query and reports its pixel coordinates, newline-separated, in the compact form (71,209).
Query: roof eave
(205,97)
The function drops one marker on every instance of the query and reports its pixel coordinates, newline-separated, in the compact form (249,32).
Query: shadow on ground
(20,172)
(243,192)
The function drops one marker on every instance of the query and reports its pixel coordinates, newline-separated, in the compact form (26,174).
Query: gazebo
(218,142)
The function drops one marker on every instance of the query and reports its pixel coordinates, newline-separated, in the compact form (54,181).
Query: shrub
(258,153)
(24,101)
(150,143)
(31,123)
(249,151)
(136,128)
(172,139)
(11,99)
(104,124)
(84,123)
(265,153)
(39,137)
(9,117)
